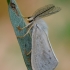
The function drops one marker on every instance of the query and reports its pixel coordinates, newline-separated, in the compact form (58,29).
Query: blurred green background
(58,27)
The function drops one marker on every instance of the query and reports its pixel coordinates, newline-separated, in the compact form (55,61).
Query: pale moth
(42,54)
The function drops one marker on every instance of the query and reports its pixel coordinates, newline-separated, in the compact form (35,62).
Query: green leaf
(17,20)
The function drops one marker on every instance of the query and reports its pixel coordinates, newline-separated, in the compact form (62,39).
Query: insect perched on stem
(42,55)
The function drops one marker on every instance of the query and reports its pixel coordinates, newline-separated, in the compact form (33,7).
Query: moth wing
(42,56)
(42,24)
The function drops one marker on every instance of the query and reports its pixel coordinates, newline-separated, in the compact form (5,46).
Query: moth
(42,54)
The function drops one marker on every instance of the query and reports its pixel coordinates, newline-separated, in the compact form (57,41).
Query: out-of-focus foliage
(8,1)
(62,1)
(63,33)
(66,31)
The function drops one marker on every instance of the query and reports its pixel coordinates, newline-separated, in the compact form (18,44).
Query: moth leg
(19,28)
(27,26)
(26,32)
(28,53)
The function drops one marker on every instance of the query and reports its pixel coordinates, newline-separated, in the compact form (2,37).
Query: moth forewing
(42,56)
